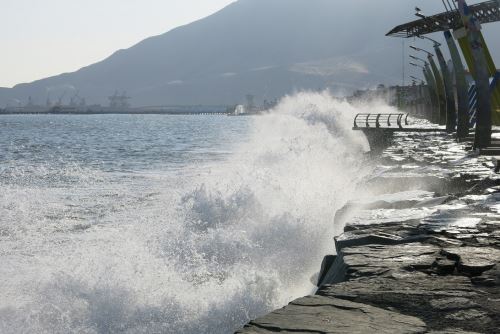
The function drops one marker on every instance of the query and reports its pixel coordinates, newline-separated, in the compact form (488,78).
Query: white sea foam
(201,250)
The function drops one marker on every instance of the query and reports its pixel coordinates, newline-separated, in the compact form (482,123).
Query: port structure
(462,22)
(117,101)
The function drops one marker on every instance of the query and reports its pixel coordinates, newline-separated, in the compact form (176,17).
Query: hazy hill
(264,47)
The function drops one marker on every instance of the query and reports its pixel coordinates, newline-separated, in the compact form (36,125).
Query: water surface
(168,224)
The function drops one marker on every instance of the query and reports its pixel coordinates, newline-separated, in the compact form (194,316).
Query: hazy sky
(41,38)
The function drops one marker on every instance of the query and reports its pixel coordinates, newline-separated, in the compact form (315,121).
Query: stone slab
(319,314)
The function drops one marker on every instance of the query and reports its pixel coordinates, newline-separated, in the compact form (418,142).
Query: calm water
(116,143)
(167,224)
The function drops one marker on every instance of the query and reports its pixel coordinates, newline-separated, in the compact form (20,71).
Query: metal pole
(440,90)
(448,116)
(461,87)
(440,87)
(483,125)
(433,92)
(448,87)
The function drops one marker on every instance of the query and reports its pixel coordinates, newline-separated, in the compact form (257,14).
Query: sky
(41,38)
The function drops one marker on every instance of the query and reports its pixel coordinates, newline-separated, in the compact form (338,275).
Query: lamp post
(419,59)
(461,87)
(484,123)
(432,90)
(457,76)
(418,87)
(436,43)
(450,112)
(440,88)
(451,118)
(417,79)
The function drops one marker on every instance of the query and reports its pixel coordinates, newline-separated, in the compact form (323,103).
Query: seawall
(420,253)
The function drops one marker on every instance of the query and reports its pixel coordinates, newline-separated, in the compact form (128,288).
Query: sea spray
(198,250)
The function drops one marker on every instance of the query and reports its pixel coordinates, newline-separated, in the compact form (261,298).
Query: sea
(170,224)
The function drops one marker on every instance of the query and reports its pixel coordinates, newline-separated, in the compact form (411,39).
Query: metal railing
(472,95)
(380,120)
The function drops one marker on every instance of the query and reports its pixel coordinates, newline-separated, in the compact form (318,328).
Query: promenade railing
(365,120)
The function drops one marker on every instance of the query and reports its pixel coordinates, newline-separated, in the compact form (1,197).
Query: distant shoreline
(208,113)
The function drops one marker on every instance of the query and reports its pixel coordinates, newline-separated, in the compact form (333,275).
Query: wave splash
(208,250)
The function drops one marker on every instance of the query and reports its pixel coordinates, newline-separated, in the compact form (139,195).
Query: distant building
(119,102)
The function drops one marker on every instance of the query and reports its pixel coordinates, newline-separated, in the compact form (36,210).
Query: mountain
(263,47)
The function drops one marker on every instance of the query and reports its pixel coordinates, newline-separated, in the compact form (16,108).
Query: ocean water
(169,224)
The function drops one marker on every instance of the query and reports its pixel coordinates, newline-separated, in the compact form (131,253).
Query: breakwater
(420,251)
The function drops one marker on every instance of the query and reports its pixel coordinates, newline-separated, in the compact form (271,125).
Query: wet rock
(386,225)
(490,278)
(444,241)
(474,260)
(319,314)
(490,227)
(493,190)
(451,304)
(381,260)
(361,261)
(398,200)
(386,216)
(440,301)
(453,221)
(326,264)
(399,182)
(469,315)
(382,235)
(433,201)
(397,290)
(445,266)
(452,331)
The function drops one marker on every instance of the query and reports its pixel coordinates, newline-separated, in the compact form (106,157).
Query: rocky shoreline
(420,252)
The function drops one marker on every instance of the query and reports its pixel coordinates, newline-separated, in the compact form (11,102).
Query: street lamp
(417,58)
(436,43)
(417,65)
(434,93)
(421,50)
(419,13)
(441,86)
(447,113)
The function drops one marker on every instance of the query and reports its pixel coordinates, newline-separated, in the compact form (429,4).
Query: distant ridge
(262,47)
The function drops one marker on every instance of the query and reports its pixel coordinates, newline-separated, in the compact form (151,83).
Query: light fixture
(418,12)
